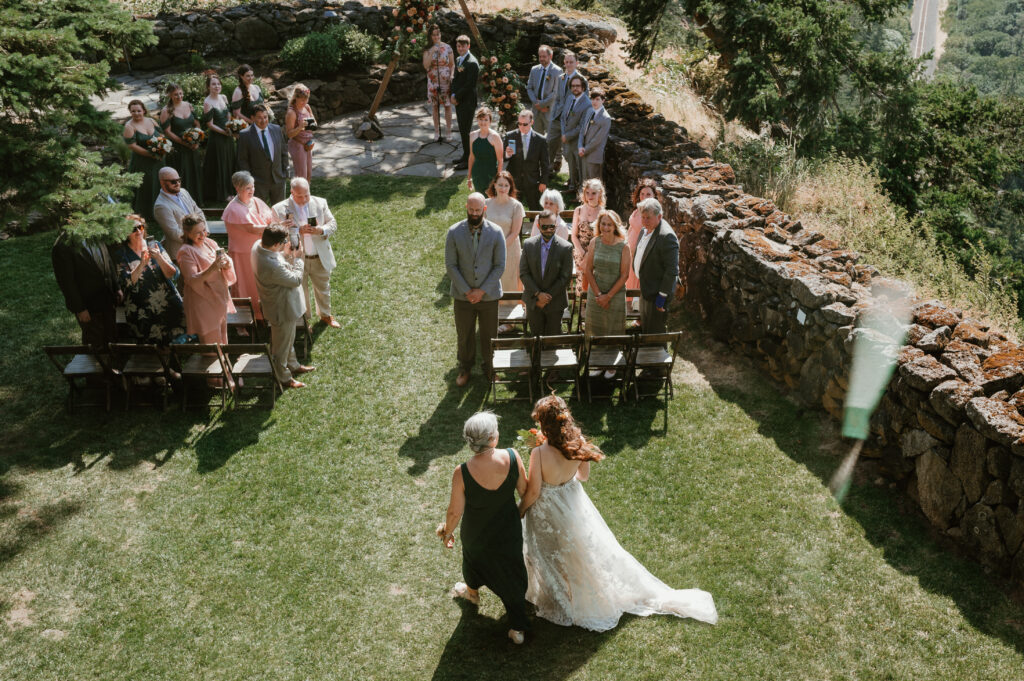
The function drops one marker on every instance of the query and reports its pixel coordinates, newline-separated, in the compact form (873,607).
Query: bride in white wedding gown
(578,573)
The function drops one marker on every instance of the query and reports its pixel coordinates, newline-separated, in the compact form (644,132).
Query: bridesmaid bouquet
(159,145)
(193,136)
(526,440)
(236,125)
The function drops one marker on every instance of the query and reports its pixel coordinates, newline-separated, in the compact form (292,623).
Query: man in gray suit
(576,108)
(278,270)
(172,204)
(545,268)
(263,152)
(542,88)
(594,136)
(563,95)
(656,263)
(474,256)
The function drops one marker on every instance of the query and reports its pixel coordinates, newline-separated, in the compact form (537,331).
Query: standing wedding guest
(646,188)
(302,209)
(584,223)
(245,218)
(464,98)
(87,278)
(247,97)
(507,213)
(219,161)
(526,156)
(542,88)
(439,62)
(474,257)
(485,157)
(152,305)
(563,98)
(177,117)
(483,498)
(579,573)
(172,204)
(278,270)
(656,262)
(606,270)
(207,272)
(261,151)
(137,131)
(574,110)
(546,269)
(552,200)
(296,128)
(594,136)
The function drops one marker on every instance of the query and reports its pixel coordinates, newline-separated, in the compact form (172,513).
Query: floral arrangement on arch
(503,87)
(411,19)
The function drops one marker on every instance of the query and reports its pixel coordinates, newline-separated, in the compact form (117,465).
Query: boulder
(938,489)
(924,373)
(934,314)
(968,461)
(253,33)
(949,399)
(998,421)
(980,533)
(967,365)
(1003,371)
(1011,527)
(936,340)
(915,442)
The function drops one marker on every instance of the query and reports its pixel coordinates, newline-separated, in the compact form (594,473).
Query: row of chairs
(133,365)
(642,363)
(512,311)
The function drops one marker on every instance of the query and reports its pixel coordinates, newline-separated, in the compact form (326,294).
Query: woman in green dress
(492,535)
(247,96)
(485,153)
(219,162)
(606,268)
(137,131)
(176,118)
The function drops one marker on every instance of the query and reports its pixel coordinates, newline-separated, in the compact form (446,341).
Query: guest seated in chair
(552,200)
(152,305)
(206,273)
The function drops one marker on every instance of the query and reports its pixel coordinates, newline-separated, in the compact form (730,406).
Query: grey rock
(996,420)
(1011,527)
(916,441)
(980,533)
(949,399)
(936,340)
(925,373)
(254,33)
(968,461)
(938,489)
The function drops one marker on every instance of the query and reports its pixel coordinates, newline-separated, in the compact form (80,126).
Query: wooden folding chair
(243,318)
(84,364)
(142,363)
(204,361)
(555,357)
(527,226)
(607,353)
(569,313)
(632,315)
(513,359)
(122,330)
(249,362)
(512,311)
(651,364)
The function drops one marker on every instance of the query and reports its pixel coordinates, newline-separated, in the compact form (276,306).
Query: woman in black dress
(492,535)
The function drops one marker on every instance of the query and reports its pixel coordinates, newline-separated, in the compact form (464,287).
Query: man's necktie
(476,240)
(543,75)
(266,147)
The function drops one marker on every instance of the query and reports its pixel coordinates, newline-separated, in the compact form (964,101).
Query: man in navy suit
(526,153)
(467,73)
(263,152)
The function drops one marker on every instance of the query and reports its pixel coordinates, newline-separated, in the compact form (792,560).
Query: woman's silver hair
(480,429)
(243,178)
(650,207)
(553,195)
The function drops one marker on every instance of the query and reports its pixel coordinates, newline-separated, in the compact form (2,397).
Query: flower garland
(503,87)
(411,19)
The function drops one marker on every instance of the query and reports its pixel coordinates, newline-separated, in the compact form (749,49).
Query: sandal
(461,590)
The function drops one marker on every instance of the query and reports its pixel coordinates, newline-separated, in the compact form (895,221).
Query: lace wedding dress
(580,575)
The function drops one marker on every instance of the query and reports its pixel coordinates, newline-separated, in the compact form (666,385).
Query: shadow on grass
(27,529)
(439,196)
(441,434)
(479,648)
(234,431)
(378,189)
(889,519)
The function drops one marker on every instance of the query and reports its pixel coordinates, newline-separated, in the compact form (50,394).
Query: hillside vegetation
(985,46)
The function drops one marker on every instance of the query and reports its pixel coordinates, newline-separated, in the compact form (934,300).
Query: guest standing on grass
(606,269)
(152,305)
(594,136)
(137,131)
(177,117)
(297,128)
(656,262)
(87,277)
(546,269)
(245,218)
(483,498)
(262,152)
(485,157)
(219,161)
(172,205)
(207,272)
(542,88)
(464,98)
(507,213)
(474,257)
(247,97)
(439,63)
(646,188)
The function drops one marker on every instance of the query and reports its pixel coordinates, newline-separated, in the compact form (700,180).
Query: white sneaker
(517,636)
(594,373)
(610,374)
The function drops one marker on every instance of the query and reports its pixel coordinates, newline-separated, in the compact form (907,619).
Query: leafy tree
(55,55)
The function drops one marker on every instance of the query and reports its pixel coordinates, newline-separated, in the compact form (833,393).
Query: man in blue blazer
(474,257)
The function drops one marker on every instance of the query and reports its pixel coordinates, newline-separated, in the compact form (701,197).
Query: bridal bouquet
(159,145)
(526,440)
(193,136)
(236,125)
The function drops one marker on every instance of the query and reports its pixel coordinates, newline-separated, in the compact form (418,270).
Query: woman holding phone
(207,272)
(152,305)
(298,128)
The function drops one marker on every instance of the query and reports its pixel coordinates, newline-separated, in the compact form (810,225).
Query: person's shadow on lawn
(441,434)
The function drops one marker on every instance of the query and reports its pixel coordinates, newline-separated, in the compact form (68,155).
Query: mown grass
(297,543)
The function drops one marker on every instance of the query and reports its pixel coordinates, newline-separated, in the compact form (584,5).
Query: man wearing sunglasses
(172,205)
(526,153)
(545,268)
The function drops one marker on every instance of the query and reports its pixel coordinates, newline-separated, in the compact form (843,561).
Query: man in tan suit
(278,269)
(172,204)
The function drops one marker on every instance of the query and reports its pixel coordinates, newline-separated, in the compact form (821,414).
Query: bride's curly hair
(561,431)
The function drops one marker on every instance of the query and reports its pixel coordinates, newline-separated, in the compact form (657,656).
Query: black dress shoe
(460,161)
(462,166)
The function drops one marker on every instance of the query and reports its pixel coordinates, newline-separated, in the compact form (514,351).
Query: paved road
(924,23)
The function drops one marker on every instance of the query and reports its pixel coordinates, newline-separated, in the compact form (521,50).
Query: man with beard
(474,256)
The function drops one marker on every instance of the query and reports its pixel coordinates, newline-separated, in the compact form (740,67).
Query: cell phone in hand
(312,221)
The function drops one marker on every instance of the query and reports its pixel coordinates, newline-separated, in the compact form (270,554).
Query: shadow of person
(441,434)
(630,424)
(234,431)
(479,649)
(439,196)
(444,292)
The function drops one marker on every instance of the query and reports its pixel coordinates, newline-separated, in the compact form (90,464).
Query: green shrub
(765,166)
(324,54)
(356,49)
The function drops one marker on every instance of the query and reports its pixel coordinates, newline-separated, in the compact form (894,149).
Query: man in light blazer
(263,152)
(528,162)
(278,271)
(172,204)
(542,88)
(563,96)
(474,257)
(656,262)
(316,244)
(594,136)
(575,109)
(545,269)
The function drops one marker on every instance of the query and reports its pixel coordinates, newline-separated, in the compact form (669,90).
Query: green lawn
(298,543)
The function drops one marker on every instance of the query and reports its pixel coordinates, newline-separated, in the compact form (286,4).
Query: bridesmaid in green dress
(177,117)
(219,162)
(247,96)
(136,131)
(485,153)
(492,535)
(606,268)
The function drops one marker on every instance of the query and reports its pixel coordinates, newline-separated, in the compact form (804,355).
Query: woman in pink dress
(206,272)
(245,217)
(298,126)
(646,188)
(439,63)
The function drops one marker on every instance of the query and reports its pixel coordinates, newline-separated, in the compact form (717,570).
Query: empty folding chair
(511,364)
(631,314)
(512,312)
(243,318)
(249,363)
(604,354)
(557,360)
(205,362)
(141,364)
(83,365)
(650,366)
